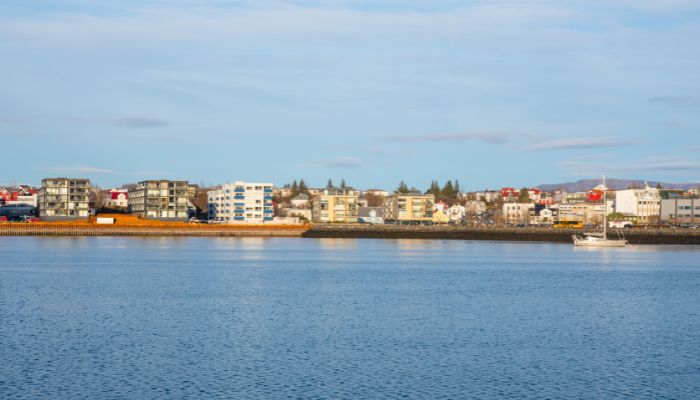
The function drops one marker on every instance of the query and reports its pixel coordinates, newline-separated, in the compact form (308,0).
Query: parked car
(620,224)
(3,219)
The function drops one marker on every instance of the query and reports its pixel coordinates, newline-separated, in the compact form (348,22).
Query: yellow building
(412,207)
(335,205)
(439,217)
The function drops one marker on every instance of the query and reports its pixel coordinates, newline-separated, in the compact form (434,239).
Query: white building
(29,200)
(241,202)
(644,204)
(116,198)
(456,213)
(517,213)
(475,207)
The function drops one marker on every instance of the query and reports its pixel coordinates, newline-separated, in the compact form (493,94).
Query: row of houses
(640,206)
(254,202)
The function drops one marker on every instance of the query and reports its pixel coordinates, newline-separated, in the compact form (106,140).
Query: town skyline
(574,186)
(516,92)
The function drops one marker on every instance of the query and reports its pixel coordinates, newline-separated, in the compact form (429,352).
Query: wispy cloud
(579,143)
(149,173)
(356,148)
(138,122)
(78,170)
(676,165)
(676,101)
(176,23)
(135,122)
(492,138)
(342,162)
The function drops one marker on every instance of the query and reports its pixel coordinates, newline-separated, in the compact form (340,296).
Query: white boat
(598,239)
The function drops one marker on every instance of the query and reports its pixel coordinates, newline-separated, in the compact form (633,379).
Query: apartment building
(642,204)
(64,199)
(160,199)
(241,202)
(335,205)
(411,207)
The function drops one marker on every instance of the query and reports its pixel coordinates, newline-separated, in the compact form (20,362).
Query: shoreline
(635,236)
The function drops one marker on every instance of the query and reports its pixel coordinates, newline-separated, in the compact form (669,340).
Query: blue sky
(493,93)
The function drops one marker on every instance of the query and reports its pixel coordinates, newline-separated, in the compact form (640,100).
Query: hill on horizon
(614,184)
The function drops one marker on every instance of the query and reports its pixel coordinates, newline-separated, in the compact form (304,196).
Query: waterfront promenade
(446,232)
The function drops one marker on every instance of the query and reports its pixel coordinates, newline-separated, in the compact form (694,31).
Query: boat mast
(605,210)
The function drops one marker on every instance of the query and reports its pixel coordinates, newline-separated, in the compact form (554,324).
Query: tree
(616,216)
(342,184)
(302,187)
(524,196)
(434,189)
(448,190)
(403,188)
(330,183)
(294,189)
(458,189)
(374,200)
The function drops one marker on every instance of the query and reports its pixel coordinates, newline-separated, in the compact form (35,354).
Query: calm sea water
(123,318)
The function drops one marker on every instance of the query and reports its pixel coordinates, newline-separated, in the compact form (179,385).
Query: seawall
(635,236)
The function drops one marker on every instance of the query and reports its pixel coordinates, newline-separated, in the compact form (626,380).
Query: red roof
(115,195)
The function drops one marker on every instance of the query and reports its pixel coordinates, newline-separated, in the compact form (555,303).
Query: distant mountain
(615,184)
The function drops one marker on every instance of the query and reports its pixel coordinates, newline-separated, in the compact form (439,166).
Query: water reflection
(287,317)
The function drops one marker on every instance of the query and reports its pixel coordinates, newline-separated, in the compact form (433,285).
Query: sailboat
(598,239)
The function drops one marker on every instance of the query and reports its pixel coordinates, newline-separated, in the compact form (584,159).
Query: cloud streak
(676,101)
(652,164)
(138,122)
(491,138)
(579,143)
(342,162)
(78,170)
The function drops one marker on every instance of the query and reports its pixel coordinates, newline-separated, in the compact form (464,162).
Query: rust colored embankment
(635,236)
(164,229)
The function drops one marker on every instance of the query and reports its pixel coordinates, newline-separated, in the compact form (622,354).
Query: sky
(492,93)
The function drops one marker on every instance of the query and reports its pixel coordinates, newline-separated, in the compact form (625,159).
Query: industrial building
(681,210)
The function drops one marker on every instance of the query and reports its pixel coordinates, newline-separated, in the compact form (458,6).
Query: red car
(3,219)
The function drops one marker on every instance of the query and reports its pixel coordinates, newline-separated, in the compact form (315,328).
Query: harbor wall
(635,236)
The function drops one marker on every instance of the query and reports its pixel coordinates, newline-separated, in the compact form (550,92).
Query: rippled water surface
(103,318)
